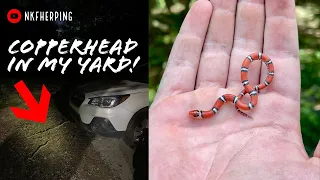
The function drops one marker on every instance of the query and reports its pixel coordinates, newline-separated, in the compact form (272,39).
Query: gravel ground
(57,149)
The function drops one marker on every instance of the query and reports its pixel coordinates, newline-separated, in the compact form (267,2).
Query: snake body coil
(248,88)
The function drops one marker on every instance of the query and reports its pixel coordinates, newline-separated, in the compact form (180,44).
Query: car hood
(109,88)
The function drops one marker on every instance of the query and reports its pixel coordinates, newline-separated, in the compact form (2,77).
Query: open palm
(204,64)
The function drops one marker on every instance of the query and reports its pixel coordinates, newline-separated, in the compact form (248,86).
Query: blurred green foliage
(166,17)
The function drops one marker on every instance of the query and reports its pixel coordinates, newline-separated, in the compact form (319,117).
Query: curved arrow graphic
(37,111)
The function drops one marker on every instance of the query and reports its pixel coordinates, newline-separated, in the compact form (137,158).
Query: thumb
(317,151)
(316,156)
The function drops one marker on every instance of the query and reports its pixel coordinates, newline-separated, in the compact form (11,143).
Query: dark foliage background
(166,16)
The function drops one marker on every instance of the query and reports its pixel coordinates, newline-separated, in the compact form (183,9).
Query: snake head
(194,113)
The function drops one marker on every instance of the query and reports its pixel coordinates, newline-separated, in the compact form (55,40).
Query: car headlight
(107,101)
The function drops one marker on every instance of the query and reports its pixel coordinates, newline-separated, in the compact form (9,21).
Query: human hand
(204,64)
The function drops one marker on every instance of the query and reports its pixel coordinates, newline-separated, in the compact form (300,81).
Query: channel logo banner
(15,16)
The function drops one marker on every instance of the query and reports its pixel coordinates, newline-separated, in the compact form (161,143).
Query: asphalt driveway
(57,149)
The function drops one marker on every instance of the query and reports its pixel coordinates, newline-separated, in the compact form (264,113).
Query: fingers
(248,39)
(315,160)
(317,151)
(182,66)
(214,63)
(281,45)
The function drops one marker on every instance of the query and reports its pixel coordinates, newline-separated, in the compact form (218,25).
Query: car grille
(77,99)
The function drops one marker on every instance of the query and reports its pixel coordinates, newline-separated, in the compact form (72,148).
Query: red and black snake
(248,88)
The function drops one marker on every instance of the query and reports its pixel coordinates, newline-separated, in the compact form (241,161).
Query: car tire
(140,117)
(140,157)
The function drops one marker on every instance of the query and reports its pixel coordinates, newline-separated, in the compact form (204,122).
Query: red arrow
(37,112)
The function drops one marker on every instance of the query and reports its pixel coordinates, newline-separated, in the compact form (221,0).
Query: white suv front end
(111,109)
